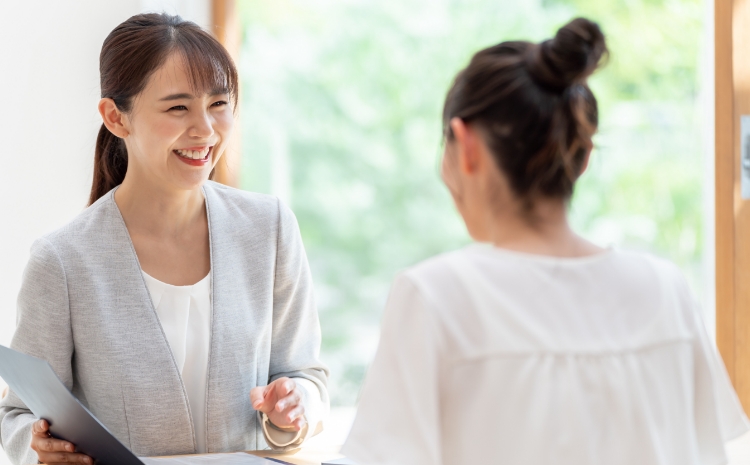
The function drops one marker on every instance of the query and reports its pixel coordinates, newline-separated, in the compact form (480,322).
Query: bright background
(340,116)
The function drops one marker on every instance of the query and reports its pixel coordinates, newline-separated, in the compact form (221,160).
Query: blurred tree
(341,117)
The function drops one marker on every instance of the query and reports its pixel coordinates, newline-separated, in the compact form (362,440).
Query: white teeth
(193,154)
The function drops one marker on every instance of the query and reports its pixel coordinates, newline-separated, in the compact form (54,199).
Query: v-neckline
(186,287)
(144,288)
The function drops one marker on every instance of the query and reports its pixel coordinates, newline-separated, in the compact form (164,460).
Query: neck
(544,231)
(158,210)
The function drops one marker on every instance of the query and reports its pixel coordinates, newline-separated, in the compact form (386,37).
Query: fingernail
(69,447)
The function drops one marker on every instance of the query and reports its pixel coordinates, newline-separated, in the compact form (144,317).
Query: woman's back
(493,356)
(506,354)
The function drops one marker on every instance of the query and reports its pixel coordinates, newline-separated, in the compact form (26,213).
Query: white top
(185,315)
(493,356)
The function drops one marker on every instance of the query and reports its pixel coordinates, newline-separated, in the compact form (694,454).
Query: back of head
(131,53)
(533,107)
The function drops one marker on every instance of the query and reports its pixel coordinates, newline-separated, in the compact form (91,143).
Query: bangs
(209,67)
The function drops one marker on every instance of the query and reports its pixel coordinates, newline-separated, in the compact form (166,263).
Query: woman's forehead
(176,80)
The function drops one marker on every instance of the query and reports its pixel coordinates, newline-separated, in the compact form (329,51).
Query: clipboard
(35,382)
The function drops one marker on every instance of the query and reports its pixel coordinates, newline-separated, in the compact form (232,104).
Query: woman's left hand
(282,402)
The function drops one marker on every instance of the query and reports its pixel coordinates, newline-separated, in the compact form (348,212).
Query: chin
(192,181)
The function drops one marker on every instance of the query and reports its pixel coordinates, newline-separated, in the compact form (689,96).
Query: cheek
(168,128)
(158,133)
(224,123)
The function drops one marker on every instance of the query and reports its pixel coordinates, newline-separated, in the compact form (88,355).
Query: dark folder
(33,380)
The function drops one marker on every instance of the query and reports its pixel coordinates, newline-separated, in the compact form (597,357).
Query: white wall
(49,58)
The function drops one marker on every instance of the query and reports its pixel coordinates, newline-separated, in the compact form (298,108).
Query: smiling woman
(195,69)
(178,310)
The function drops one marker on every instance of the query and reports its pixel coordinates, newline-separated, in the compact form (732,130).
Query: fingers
(282,402)
(284,386)
(62,457)
(51,450)
(264,398)
(41,441)
(40,428)
(51,445)
(299,423)
(293,399)
(257,398)
(295,417)
(289,411)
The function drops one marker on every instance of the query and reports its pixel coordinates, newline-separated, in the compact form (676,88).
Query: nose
(202,125)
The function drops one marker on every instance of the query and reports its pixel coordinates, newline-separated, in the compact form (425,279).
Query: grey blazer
(85,308)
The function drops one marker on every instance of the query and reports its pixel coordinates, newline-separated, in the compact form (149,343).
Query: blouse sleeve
(718,413)
(296,337)
(42,330)
(398,419)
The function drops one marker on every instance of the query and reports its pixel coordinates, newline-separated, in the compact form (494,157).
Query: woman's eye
(219,103)
(179,108)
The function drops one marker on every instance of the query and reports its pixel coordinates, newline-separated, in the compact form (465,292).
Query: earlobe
(113,118)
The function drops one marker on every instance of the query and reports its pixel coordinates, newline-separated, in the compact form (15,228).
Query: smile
(195,156)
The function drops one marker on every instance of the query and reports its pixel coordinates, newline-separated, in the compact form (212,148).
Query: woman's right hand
(52,451)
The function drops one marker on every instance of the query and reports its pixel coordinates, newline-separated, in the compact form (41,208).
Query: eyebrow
(182,96)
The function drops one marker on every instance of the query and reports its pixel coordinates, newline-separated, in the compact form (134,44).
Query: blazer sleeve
(42,330)
(295,343)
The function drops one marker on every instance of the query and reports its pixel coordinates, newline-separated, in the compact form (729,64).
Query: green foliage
(341,117)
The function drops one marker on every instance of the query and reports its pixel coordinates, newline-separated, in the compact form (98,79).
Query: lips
(194,156)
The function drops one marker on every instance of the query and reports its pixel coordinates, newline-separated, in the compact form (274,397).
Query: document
(34,381)
(237,458)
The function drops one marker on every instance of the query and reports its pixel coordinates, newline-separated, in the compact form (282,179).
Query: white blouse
(185,315)
(493,356)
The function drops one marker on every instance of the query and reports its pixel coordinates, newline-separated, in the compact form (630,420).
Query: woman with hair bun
(537,346)
(180,312)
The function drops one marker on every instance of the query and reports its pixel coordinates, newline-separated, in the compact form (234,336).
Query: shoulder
(433,271)
(87,229)
(648,268)
(236,204)
(629,271)
(231,196)
(433,280)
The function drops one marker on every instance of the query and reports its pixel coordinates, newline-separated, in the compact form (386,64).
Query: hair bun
(570,57)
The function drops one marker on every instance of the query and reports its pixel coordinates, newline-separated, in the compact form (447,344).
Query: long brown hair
(130,55)
(534,107)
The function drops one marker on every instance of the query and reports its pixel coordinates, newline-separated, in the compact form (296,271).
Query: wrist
(286,429)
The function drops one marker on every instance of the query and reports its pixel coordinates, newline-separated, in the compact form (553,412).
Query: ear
(586,159)
(467,149)
(113,118)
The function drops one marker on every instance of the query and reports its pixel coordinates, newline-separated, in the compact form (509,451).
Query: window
(341,118)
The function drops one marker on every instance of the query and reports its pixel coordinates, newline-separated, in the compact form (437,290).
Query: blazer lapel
(151,378)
